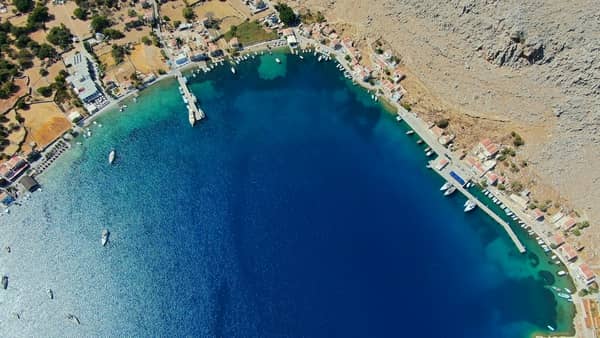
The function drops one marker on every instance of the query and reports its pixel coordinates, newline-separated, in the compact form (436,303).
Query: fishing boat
(105,234)
(561,273)
(232,70)
(445,186)
(450,191)
(111,156)
(277,60)
(470,205)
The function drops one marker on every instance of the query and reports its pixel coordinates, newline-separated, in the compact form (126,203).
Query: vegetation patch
(249,33)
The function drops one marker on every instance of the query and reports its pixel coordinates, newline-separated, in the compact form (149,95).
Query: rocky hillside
(534,64)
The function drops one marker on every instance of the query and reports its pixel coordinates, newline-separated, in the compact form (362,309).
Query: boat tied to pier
(470,205)
(450,191)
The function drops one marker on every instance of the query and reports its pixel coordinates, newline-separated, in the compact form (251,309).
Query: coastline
(420,130)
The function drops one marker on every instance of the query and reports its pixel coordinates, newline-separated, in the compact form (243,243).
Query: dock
(445,173)
(194,112)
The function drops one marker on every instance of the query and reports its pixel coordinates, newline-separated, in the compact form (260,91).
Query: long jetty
(445,173)
(194,111)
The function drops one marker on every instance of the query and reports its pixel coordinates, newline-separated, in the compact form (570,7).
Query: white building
(81,78)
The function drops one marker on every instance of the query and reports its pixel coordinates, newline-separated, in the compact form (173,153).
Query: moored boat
(232,70)
(111,156)
(50,293)
(450,191)
(563,295)
(410,132)
(277,60)
(445,186)
(470,205)
(561,273)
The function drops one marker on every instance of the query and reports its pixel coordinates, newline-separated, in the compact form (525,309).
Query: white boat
(105,234)
(398,118)
(445,186)
(277,60)
(470,205)
(450,191)
(563,295)
(232,70)
(561,273)
(111,156)
(550,328)
(567,290)
(50,294)
(553,257)
(419,141)
(410,132)
(429,153)
(301,57)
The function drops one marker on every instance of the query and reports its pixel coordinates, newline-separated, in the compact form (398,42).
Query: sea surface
(297,208)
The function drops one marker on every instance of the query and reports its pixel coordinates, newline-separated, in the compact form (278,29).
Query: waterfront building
(568,223)
(13,168)
(538,215)
(29,183)
(487,148)
(235,44)
(586,274)
(214,50)
(568,253)
(82,78)
(557,240)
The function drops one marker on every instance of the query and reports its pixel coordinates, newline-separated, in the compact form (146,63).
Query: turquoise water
(297,208)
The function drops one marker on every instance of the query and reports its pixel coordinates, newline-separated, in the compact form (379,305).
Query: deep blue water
(298,208)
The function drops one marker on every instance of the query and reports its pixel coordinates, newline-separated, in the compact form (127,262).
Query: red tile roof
(586,272)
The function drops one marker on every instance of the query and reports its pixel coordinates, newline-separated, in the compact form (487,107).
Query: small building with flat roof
(568,252)
(13,168)
(557,240)
(29,183)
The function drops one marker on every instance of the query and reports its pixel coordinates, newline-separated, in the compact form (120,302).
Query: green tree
(188,13)
(286,14)
(80,13)
(45,91)
(59,36)
(146,40)
(99,23)
(38,16)
(23,6)
(46,51)
(113,33)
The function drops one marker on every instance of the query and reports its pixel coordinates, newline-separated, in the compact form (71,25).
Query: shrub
(45,91)
(59,36)
(23,6)
(286,14)
(442,123)
(188,13)
(99,23)
(80,13)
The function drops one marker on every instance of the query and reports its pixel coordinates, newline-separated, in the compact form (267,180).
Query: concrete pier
(445,173)
(194,111)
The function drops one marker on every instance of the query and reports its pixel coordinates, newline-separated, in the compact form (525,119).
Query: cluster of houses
(382,68)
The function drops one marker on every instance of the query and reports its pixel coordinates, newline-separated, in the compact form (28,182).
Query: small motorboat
(111,156)
(410,132)
(445,186)
(470,205)
(450,191)
(563,295)
(232,70)
(50,293)
(301,57)
(561,273)
(550,328)
(73,318)
(567,290)
(419,141)
(277,60)
(105,235)
(4,282)
(398,118)
(429,153)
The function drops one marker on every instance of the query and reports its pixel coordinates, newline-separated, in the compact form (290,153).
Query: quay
(445,173)
(194,112)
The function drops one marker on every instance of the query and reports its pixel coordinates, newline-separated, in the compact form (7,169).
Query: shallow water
(297,208)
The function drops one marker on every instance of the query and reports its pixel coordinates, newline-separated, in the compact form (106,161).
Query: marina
(195,113)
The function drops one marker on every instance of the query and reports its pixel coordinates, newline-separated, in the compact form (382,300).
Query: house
(491,178)
(557,240)
(214,50)
(441,163)
(235,44)
(586,274)
(487,148)
(567,251)
(477,169)
(13,168)
(568,223)
(538,215)
(398,76)
(29,183)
